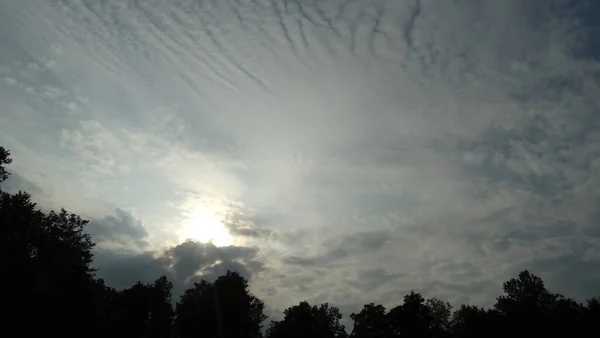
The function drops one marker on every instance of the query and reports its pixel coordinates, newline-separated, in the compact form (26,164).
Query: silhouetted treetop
(303,320)
(4,160)
(370,322)
(143,310)
(527,291)
(48,258)
(224,308)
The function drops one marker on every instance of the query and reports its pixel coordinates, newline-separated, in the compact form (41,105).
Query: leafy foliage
(4,160)
(370,322)
(143,310)
(303,320)
(224,308)
(47,257)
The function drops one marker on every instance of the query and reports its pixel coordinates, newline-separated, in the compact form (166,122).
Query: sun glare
(203,225)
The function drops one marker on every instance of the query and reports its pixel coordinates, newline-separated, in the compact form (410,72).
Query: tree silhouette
(470,322)
(196,312)
(440,314)
(528,292)
(47,258)
(411,319)
(224,308)
(591,314)
(526,305)
(143,310)
(4,160)
(303,320)
(370,322)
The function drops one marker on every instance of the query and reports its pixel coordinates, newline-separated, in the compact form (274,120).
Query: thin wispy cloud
(359,149)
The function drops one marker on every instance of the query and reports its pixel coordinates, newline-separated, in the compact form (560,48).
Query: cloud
(329,257)
(16,183)
(183,264)
(241,223)
(123,270)
(121,229)
(94,144)
(369,279)
(360,148)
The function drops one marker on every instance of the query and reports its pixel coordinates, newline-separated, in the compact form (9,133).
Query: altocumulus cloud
(360,149)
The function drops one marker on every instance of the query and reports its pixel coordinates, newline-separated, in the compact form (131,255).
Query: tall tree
(224,309)
(440,314)
(143,310)
(528,291)
(370,322)
(471,322)
(47,260)
(592,314)
(4,160)
(412,319)
(526,305)
(303,320)
(161,308)
(196,312)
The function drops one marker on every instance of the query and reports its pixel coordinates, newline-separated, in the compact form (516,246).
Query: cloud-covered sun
(204,225)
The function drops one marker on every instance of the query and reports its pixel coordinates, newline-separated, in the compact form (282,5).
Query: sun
(204,225)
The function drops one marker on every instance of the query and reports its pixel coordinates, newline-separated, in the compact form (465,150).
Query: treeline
(50,290)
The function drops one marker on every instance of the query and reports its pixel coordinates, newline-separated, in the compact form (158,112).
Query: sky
(341,151)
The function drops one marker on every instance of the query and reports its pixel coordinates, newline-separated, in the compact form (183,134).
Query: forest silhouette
(51,290)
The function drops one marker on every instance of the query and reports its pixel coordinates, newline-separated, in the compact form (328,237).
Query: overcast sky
(342,151)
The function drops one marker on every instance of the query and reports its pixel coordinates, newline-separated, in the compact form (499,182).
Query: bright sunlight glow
(203,225)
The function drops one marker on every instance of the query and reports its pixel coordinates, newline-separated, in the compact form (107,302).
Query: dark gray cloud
(190,257)
(122,228)
(573,276)
(183,264)
(121,270)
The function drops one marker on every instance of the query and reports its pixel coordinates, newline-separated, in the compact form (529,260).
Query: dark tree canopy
(4,160)
(440,315)
(224,308)
(303,320)
(370,322)
(411,319)
(46,258)
(143,310)
(50,289)
(470,321)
